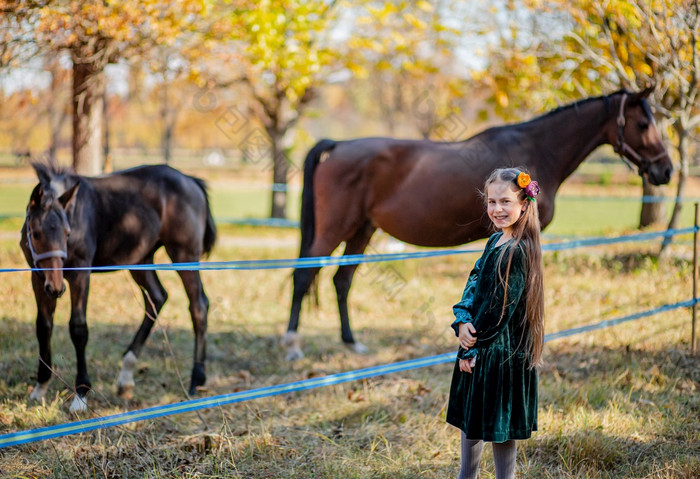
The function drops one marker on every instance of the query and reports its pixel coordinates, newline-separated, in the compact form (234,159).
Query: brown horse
(427,193)
(120,219)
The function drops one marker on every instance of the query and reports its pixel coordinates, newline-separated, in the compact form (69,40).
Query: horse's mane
(48,173)
(605,98)
(585,101)
(51,169)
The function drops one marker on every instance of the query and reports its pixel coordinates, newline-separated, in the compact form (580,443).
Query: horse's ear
(36,196)
(640,95)
(43,173)
(67,199)
(648,90)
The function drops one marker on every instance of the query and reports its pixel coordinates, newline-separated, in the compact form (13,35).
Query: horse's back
(160,181)
(142,207)
(419,191)
(156,173)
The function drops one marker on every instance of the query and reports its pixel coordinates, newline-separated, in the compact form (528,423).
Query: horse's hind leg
(154,297)
(199,308)
(343,280)
(303,279)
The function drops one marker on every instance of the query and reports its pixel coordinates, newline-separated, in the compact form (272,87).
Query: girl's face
(504,206)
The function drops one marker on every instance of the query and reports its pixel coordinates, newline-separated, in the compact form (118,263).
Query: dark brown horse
(120,219)
(427,193)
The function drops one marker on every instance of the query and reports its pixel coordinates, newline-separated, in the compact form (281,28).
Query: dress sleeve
(490,318)
(461,309)
(466,353)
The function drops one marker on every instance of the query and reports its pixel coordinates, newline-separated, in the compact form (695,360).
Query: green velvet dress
(498,400)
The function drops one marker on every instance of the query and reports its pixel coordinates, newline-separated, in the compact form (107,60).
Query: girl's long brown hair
(526,232)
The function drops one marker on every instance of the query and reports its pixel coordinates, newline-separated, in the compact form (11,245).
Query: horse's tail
(210,228)
(308,217)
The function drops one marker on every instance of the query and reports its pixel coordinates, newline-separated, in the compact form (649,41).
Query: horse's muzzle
(53,292)
(660,176)
(667,174)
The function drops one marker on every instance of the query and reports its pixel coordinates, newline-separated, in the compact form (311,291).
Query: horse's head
(638,139)
(46,228)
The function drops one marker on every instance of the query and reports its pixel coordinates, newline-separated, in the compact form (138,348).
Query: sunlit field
(622,402)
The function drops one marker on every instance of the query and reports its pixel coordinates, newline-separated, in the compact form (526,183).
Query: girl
(500,325)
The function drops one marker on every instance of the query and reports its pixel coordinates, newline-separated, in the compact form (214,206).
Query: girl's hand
(466,365)
(466,335)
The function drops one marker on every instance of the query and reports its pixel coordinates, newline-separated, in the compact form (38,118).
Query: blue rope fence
(40,434)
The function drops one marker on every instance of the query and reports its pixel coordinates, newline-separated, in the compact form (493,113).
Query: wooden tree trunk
(653,212)
(280,170)
(56,121)
(682,176)
(88,84)
(167,122)
(167,143)
(107,166)
(57,113)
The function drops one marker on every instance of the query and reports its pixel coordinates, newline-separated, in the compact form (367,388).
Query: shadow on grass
(620,412)
(595,453)
(236,360)
(640,373)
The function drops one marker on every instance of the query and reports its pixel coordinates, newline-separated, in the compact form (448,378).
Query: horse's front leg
(79,288)
(45,308)
(303,280)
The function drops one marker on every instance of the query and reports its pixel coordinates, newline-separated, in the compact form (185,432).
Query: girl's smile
(504,206)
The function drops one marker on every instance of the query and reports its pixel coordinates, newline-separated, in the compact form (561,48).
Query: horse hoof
(292,342)
(357,348)
(39,392)
(294,355)
(125,391)
(79,405)
(125,382)
(290,339)
(197,390)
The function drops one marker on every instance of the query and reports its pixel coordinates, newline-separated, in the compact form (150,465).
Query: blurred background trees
(95,83)
(283,54)
(94,34)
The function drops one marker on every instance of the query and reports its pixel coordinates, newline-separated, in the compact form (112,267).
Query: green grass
(592,216)
(235,204)
(604,216)
(14,197)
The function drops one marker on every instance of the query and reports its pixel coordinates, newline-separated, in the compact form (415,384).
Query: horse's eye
(36,235)
(643,125)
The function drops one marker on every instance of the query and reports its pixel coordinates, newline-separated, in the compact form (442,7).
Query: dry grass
(622,402)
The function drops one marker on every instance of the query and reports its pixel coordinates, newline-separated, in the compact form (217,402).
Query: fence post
(693,348)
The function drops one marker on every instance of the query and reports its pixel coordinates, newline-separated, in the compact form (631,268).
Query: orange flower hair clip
(532,189)
(523,179)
